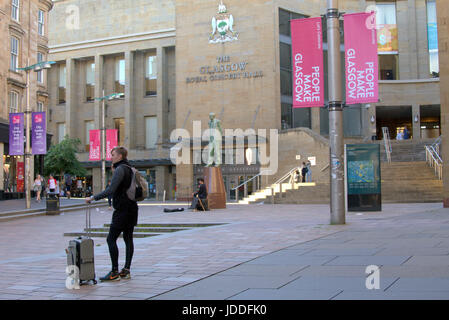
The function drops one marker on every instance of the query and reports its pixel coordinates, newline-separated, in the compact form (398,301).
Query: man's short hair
(201,179)
(122,151)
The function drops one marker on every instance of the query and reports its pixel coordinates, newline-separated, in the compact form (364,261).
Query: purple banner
(16,122)
(39,133)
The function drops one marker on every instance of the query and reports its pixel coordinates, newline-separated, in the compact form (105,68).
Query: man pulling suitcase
(124,217)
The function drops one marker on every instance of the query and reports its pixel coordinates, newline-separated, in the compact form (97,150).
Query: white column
(162,101)
(130,117)
(99,86)
(71,100)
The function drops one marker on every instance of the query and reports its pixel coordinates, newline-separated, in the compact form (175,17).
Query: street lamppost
(336,141)
(103,99)
(36,67)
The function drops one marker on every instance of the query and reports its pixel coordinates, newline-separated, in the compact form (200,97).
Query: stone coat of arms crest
(222,26)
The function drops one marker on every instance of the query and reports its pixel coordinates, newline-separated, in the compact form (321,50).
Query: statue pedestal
(216,192)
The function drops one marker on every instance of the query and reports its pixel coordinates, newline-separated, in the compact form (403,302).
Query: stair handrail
(434,161)
(287,175)
(387,143)
(436,145)
(242,184)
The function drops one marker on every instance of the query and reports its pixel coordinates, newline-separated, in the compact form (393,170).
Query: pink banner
(95,145)
(307,60)
(362,78)
(111,141)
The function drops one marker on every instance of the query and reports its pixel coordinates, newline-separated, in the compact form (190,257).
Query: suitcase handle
(88,222)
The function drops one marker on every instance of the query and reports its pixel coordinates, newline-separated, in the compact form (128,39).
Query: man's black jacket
(202,192)
(125,210)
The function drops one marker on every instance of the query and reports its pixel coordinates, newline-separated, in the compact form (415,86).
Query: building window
(150,132)
(119,124)
(432,38)
(388,67)
(40,23)
(286,115)
(40,76)
(387,40)
(14,54)
(88,125)
(120,76)
(90,81)
(15,6)
(289,118)
(13,102)
(40,106)
(61,132)
(62,84)
(151,75)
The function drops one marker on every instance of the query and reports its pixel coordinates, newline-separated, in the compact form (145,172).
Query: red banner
(307,60)
(20,176)
(111,141)
(95,145)
(362,78)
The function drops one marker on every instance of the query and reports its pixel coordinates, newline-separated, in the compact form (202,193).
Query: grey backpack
(138,189)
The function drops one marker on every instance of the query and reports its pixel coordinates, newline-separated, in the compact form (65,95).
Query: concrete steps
(402,182)
(410,182)
(406,151)
(265,194)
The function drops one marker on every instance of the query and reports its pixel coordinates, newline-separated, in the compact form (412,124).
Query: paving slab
(409,271)
(413,252)
(285,294)
(421,284)
(248,269)
(368,260)
(286,259)
(388,295)
(335,283)
(428,261)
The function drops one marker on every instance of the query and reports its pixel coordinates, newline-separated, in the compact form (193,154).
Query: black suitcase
(80,254)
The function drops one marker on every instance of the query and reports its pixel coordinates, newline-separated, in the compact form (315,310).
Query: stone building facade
(244,78)
(24,32)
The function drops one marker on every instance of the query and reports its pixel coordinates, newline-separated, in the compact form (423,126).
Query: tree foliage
(61,158)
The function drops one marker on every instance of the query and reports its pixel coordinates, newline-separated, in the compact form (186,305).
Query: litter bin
(52,204)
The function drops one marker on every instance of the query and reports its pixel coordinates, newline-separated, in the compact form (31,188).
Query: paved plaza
(257,252)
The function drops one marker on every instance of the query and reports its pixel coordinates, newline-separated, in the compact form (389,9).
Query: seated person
(201,194)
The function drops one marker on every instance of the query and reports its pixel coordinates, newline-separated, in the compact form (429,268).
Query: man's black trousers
(113,235)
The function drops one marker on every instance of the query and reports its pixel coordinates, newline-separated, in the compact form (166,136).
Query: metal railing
(387,143)
(290,174)
(245,183)
(434,160)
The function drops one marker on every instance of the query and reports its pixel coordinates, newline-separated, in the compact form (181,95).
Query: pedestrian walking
(304,172)
(400,135)
(124,217)
(68,184)
(51,183)
(309,172)
(37,186)
(297,176)
(406,134)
